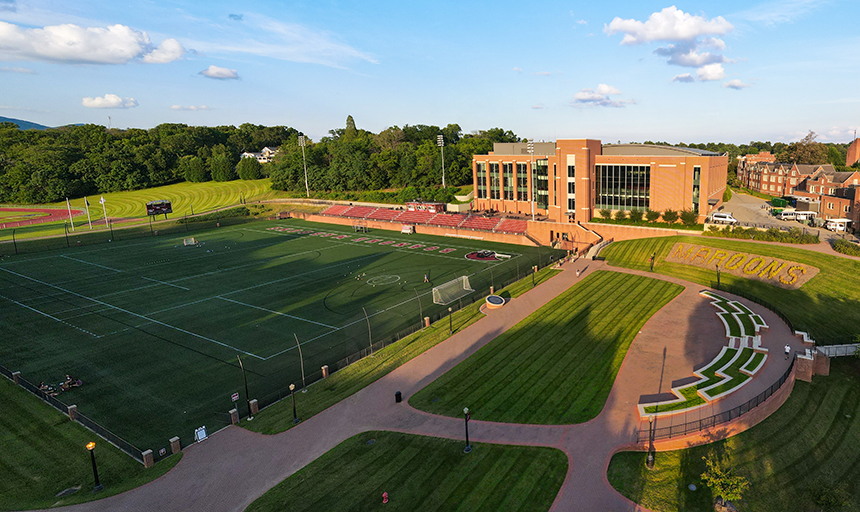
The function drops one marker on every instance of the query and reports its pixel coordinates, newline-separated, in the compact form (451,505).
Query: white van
(787,214)
(723,218)
(837,224)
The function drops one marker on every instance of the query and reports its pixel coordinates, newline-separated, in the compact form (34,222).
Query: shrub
(727,195)
(721,480)
(670,216)
(846,247)
(636,215)
(620,215)
(651,215)
(689,217)
(605,213)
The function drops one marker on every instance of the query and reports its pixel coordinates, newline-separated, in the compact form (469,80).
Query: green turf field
(44,453)
(130,206)
(421,474)
(826,306)
(803,454)
(153,328)
(558,365)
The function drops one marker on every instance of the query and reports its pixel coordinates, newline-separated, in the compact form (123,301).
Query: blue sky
(728,71)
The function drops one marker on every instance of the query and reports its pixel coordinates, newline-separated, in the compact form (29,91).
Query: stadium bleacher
(512,226)
(408,217)
(447,219)
(384,214)
(336,210)
(480,222)
(358,212)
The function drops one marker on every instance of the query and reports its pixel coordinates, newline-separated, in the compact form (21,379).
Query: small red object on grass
(385,497)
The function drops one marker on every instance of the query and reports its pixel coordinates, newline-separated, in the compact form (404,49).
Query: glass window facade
(623,187)
(522,182)
(697,180)
(494,181)
(541,183)
(482,180)
(508,183)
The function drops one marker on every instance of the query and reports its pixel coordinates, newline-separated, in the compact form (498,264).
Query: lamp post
(718,276)
(420,309)
(440,141)
(247,394)
(450,322)
(649,461)
(302,143)
(302,362)
(369,334)
(531,179)
(466,415)
(91,447)
(293,396)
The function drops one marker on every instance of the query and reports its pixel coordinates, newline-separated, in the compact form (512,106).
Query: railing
(839,350)
(740,293)
(131,450)
(690,427)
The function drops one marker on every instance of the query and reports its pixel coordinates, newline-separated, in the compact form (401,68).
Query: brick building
(571,179)
(853,153)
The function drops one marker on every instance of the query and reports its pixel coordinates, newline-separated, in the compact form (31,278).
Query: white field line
(90,263)
(178,306)
(51,317)
(165,284)
(276,312)
(151,320)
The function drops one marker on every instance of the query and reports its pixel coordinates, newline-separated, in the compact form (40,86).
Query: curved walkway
(232,468)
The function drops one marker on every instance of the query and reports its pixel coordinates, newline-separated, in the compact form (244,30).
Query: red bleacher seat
(384,214)
(408,217)
(447,219)
(336,209)
(481,223)
(359,212)
(512,226)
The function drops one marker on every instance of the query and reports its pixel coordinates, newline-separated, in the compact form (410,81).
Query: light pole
(450,322)
(420,309)
(440,141)
(247,395)
(304,163)
(293,396)
(718,276)
(531,178)
(369,334)
(91,447)
(467,416)
(302,362)
(649,461)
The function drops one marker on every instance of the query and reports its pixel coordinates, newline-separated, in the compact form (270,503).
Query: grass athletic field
(558,365)
(806,456)
(826,306)
(421,474)
(153,328)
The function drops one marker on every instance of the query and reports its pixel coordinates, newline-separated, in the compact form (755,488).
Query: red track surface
(52,214)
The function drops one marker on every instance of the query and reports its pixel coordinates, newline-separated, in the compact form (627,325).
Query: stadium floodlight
(447,293)
(302,143)
(440,141)
(531,178)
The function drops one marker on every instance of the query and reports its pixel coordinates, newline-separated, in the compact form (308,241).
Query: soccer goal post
(452,290)
(190,241)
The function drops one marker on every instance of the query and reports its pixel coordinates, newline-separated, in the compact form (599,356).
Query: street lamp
(293,396)
(302,362)
(450,322)
(247,394)
(440,141)
(91,447)
(302,143)
(531,179)
(718,276)
(649,461)
(467,416)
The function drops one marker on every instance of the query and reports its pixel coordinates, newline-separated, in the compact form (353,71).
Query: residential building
(265,155)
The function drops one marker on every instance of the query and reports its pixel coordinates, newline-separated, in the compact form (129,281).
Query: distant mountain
(24,125)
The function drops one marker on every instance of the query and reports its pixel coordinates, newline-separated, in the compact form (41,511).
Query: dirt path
(234,467)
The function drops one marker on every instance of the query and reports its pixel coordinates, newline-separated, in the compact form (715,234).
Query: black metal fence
(656,432)
(95,427)
(741,293)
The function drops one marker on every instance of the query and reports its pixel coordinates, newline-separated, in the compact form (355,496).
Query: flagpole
(104,210)
(89,220)
(69,206)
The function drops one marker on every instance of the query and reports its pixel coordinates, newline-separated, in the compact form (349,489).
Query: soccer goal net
(452,290)
(190,241)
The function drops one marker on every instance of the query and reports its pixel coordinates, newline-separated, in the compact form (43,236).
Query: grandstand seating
(358,212)
(384,214)
(480,222)
(447,219)
(512,226)
(336,210)
(408,217)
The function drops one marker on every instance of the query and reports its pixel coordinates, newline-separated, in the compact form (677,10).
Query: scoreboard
(162,206)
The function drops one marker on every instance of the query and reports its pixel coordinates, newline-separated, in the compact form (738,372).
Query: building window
(571,172)
(494,181)
(623,187)
(846,209)
(697,177)
(829,206)
(541,183)
(793,181)
(522,182)
(571,204)
(508,183)
(482,180)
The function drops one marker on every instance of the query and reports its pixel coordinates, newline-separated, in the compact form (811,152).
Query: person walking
(787,350)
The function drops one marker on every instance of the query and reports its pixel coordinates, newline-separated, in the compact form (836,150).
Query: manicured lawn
(826,306)
(421,474)
(320,396)
(44,453)
(558,365)
(809,447)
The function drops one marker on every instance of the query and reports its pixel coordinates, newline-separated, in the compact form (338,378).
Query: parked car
(723,218)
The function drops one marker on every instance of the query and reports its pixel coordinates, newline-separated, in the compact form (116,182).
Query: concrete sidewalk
(234,467)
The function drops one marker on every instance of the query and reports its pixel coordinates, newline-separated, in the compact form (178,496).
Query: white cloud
(711,72)
(109,101)
(684,78)
(68,43)
(168,51)
(219,73)
(735,84)
(542,73)
(190,108)
(599,97)
(686,55)
(539,106)
(670,24)
(518,70)
(18,70)
(780,11)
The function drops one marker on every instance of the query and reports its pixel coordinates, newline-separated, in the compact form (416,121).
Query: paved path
(232,468)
